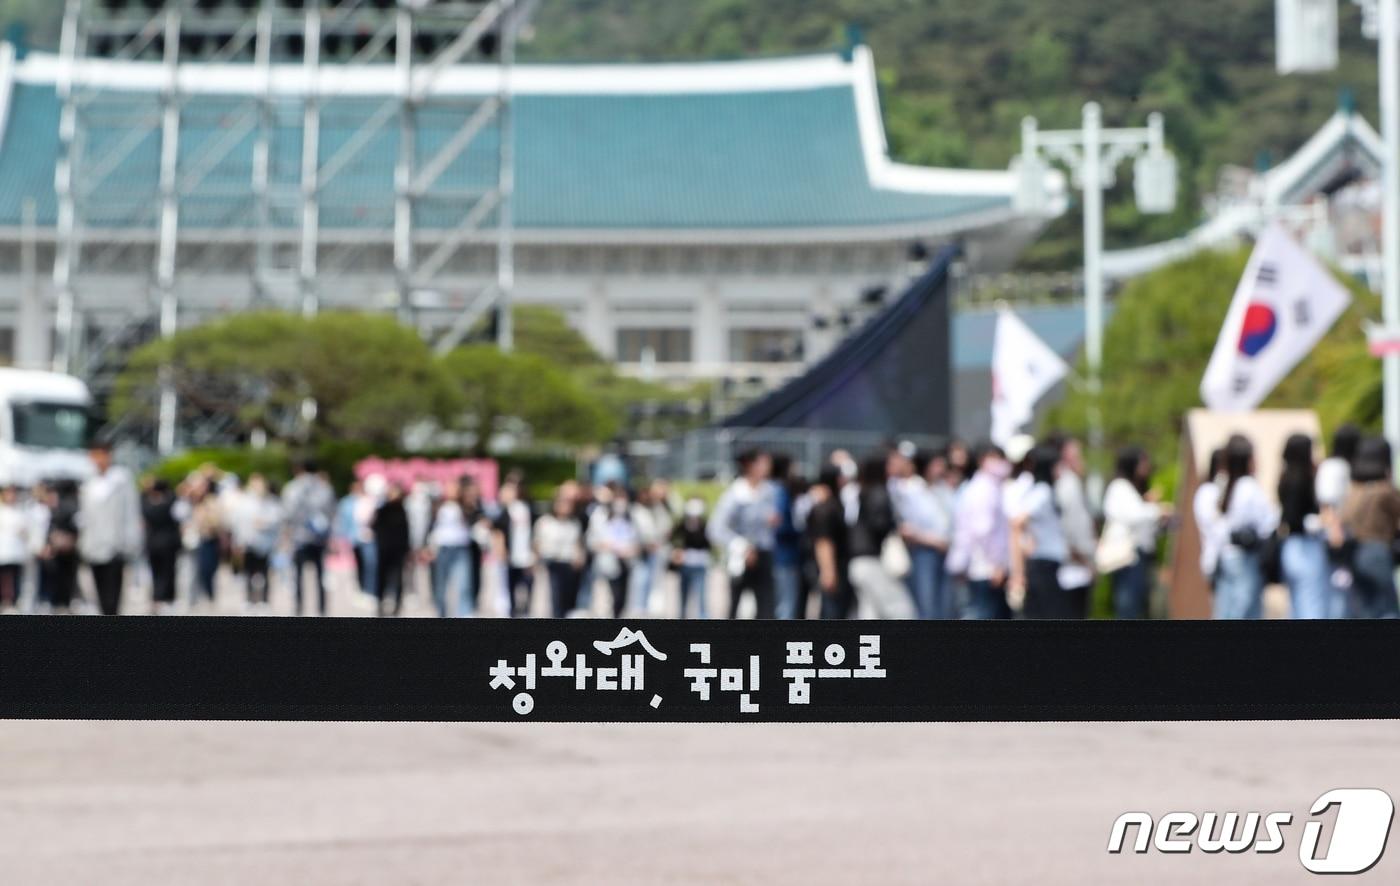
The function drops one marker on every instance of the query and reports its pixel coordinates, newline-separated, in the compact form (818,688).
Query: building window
(666,345)
(765,345)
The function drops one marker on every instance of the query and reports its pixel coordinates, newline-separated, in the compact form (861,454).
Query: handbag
(1116,549)
(894,556)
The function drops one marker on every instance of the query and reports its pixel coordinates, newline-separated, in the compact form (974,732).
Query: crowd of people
(975,533)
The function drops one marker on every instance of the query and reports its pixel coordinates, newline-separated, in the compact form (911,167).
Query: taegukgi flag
(1024,368)
(1285,303)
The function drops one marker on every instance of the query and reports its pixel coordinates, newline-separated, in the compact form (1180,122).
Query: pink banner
(407,471)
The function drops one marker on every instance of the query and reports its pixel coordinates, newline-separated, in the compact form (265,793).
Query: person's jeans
(563,586)
(1373,582)
(1308,576)
(645,571)
(986,601)
(928,582)
(368,555)
(1131,589)
(452,582)
(693,585)
(787,585)
(1043,591)
(1239,585)
(316,556)
(206,560)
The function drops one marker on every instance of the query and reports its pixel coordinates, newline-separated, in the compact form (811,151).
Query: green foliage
(543,472)
(956,77)
(368,375)
(1160,338)
(495,391)
(637,406)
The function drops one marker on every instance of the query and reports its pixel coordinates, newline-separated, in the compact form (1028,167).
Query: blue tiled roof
(761,160)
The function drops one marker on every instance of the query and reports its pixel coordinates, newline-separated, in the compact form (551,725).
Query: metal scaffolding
(246,189)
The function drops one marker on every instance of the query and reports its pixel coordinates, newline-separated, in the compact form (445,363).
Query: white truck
(44,427)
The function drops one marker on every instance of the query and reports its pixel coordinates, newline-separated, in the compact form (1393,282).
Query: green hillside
(957,76)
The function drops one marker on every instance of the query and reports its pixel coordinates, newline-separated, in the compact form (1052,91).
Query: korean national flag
(1024,369)
(1285,303)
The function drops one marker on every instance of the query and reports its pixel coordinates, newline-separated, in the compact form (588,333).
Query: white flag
(1024,368)
(1285,303)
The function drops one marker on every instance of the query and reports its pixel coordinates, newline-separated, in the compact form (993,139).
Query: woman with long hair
(559,544)
(1303,554)
(613,538)
(1249,520)
(1039,547)
(1371,516)
(1132,516)
(449,547)
(878,593)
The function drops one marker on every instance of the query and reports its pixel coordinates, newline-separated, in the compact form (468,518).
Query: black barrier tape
(362,669)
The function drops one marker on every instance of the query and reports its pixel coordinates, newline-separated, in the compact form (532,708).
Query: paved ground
(185,803)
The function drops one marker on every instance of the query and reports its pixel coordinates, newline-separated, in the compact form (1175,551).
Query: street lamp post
(1307,41)
(1389,22)
(1092,154)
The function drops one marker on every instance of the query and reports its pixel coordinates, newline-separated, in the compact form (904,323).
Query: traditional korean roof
(790,146)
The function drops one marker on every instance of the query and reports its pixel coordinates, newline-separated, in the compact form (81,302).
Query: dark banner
(683,671)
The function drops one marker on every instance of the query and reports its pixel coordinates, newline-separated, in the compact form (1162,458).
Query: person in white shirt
(514,549)
(15,529)
(257,523)
(1205,507)
(926,529)
(449,548)
(1132,517)
(1334,474)
(612,536)
(1038,542)
(109,526)
(559,542)
(1250,518)
(1081,537)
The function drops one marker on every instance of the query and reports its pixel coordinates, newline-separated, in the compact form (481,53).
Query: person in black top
(1303,552)
(391,541)
(878,593)
(827,535)
(163,541)
(690,554)
(58,559)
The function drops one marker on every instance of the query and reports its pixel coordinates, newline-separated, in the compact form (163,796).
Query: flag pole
(1390,227)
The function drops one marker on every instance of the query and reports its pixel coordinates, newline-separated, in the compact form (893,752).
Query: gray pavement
(186,803)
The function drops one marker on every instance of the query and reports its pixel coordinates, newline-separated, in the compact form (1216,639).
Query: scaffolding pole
(166,252)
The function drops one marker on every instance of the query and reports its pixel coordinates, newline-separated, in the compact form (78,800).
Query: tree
(368,375)
(1159,340)
(524,393)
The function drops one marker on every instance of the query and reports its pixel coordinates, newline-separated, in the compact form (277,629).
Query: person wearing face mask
(981,551)
(690,552)
(613,538)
